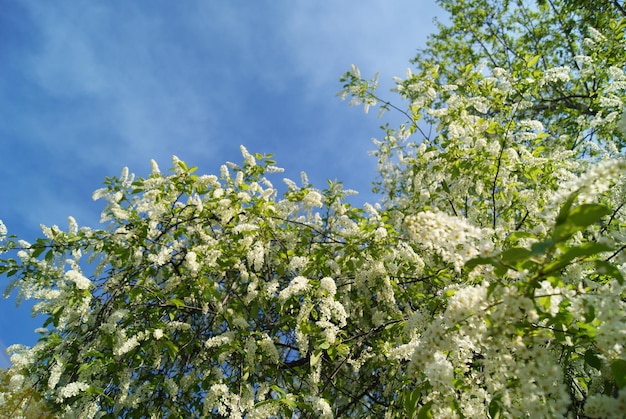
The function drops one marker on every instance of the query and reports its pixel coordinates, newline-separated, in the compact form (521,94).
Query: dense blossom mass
(488,282)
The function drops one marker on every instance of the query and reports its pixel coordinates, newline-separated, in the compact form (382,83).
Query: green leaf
(565,209)
(343,349)
(410,402)
(277,389)
(592,359)
(541,248)
(84,366)
(183,165)
(578,219)
(288,402)
(604,268)
(177,302)
(585,249)
(587,214)
(56,314)
(515,254)
(425,411)
(171,348)
(474,262)
(37,250)
(577,252)
(445,186)
(494,407)
(450,292)
(618,369)
(533,61)
(519,235)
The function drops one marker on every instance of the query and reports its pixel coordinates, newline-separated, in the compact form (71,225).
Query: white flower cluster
(555,74)
(219,340)
(606,407)
(480,329)
(82,282)
(71,390)
(596,181)
(3,231)
(312,199)
(321,406)
(332,314)
(126,345)
(328,284)
(191,262)
(55,375)
(268,347)
(453,238)
(297,286)
(221,401)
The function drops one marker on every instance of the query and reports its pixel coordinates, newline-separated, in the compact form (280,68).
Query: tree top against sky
(489,282)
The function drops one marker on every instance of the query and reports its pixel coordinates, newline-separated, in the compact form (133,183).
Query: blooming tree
(19,398)
(488,282)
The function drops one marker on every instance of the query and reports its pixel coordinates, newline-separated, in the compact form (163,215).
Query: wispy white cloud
(174,80)
(375,35)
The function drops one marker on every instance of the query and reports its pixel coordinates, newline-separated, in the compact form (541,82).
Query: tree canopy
(487,282)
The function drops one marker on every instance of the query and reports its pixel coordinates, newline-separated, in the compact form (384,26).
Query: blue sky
(88,87)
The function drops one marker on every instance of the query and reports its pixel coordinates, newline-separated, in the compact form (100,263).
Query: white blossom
(55,375)
(297,285)
(312,199)
(126,346)
(328,284)
(72,389)
(82,282)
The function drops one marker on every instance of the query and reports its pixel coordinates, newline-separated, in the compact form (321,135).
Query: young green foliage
(488,283)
